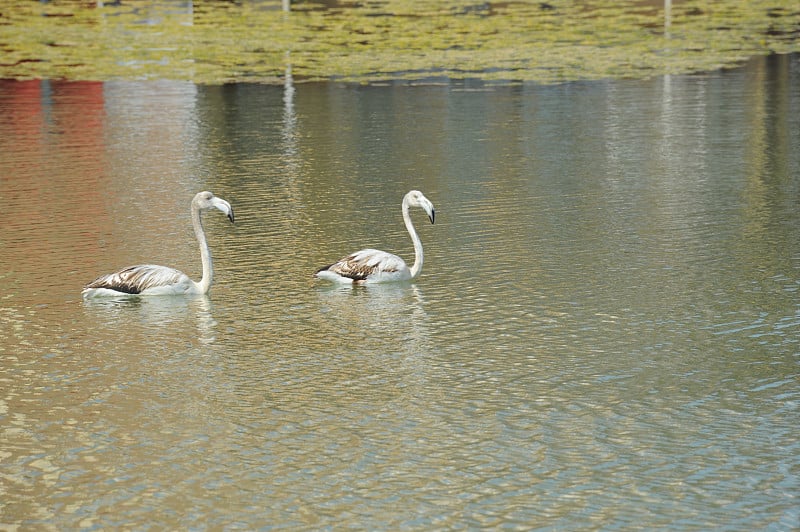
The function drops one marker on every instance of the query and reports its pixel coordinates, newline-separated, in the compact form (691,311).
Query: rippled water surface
(605,333)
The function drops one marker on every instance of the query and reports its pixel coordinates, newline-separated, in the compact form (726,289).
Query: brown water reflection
(605,333)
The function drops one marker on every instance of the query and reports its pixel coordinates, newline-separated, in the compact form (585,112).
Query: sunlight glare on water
(604,334)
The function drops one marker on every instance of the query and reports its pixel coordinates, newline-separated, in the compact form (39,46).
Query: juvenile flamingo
(374,266)
(154,280)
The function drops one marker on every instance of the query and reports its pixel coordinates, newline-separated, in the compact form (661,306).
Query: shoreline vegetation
(374,41)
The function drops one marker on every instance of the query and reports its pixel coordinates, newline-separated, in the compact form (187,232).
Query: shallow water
(604,335)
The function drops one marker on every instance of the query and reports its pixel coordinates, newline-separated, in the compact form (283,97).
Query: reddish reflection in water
(49,156)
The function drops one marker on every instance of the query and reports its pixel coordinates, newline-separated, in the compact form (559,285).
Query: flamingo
(153,280)
(374,266)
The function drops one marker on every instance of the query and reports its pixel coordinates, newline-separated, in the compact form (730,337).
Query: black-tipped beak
(433,215)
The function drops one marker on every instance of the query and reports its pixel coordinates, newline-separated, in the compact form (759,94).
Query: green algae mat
(370,41)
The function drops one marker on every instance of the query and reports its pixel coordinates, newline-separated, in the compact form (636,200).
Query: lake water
(605,334)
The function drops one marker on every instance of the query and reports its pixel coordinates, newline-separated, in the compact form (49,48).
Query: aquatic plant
(378,40)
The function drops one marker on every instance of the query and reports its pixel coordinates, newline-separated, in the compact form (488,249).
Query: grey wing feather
(360,265)
(136,279)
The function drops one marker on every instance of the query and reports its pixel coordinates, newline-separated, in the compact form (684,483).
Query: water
(604,335)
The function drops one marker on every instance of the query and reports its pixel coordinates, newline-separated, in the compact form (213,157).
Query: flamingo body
(155,280)
(367,266)
(143,279)
(375,266)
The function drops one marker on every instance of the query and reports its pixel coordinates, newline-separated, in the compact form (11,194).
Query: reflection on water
(153,313)
(605,333)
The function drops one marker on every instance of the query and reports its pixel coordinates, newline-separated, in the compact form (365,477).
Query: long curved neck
(205,253)
(418,257)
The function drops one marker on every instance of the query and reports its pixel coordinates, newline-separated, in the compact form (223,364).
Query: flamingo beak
(225,207)
(428,206)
